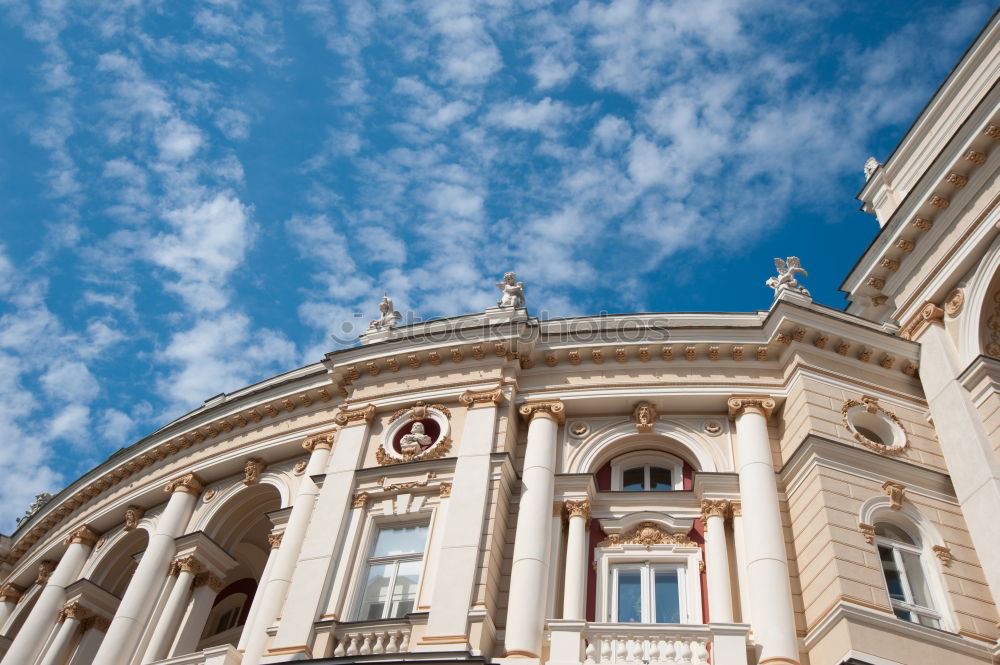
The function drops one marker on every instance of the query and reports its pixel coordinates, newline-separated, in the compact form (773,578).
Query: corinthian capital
(552,409)
(715,508)
(758,404)
(323,440)
(188,483)
(579,508)
(84,535)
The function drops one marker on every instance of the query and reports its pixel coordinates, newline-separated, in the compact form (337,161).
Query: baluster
(683,652)
(635,650)
(621,650)
(352,647)
(404,643)
(700,648)
(589,652)
(605,649)
(393,646)
(379,643)
(654,651)
(669,653)
(341,650)
(366,646)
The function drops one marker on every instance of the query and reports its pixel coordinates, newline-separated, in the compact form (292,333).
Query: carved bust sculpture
(513,291)
(388,316)
(414,442)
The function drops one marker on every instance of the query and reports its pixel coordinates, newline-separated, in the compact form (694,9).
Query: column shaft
(720,594)
(575,583)
(37,627)
(60,646)
(207,587)
(529,571)
(273,595)
(767,561)
(272,555)
(126,628)
(166,627)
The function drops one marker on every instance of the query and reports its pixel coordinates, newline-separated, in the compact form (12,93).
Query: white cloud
(178,140)
(235,124)
(70,381)
(545,116)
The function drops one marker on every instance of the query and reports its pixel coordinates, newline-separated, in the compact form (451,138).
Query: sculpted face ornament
(786,276)
(513,291)
(416,441)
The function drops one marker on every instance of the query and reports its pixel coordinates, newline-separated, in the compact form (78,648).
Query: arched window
(905,577)
(647,471)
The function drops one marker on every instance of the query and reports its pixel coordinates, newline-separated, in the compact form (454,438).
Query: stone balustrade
(374,639)
(582,643)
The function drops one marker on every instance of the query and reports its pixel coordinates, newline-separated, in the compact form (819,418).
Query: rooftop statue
(36,505)
(870,166)
(389,317)
(786,276)
(513,291)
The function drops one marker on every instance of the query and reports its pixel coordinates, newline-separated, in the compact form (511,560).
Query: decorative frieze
(865,354)
(574,357)
(876,282)
(761,353)
(647,534)
(821,341)
(713,353)
(551,360)
(597,355)
(957,180)
(644,353)
(993,131)
(620,355)
(477,352)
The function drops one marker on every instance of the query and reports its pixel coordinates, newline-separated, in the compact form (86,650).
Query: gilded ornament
(477,352)
(45,569)
(444,489)
(597,355)
(412,484)
(500,349)
(413,361)
(574,357)
(865,354)
(647,534)
(551,360)
(456,356)
(300,467)
(270,410)
(208,494)
(843,348)
(887,361)
(891,265)
(359,500)
(993,131)
(876,282)
(712,428)
(821,341)
(324,394)
(434,358)
(922,223)
(798,334)
(579,429)
(910,369)
(392,364)
(938,201)
(761,353)
(373,367)
(10,593)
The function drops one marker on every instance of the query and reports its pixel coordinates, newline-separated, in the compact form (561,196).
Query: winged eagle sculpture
(785,279)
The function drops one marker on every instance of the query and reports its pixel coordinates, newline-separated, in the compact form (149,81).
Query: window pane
(660,479)
(629,596)
(928,621)
(893,579)
(376,592)
(915,576)
(405,540)
(893,533)
(633,480)
(903,614)
(404,593)
(668,597)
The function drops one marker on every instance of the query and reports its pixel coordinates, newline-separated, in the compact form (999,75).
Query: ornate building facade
(794,486)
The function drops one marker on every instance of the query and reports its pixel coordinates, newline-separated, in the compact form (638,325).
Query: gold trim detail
(648,534)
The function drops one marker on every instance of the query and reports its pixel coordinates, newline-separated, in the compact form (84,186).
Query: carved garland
(648,534)
(871,405)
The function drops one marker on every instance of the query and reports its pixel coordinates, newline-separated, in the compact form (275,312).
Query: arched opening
(114,570)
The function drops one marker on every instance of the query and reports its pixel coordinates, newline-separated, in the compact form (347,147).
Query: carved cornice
(360,415)
(928,315)
(715,508)
(189,483)
(479,398)
(579,508)
(739,405)
(213,582)
(322,441)
(648,534)
(552,409)
(83,535)
(132,516)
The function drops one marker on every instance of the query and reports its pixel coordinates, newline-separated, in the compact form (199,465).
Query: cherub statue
(513,291)
(786,276)
(389,317)
(415,441)
(36,505)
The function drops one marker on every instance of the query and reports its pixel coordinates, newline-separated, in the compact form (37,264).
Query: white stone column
(272,596)
(720,592)
(575,583)
(170,618)
(274,540)
(767,561)
(69,621)
(458,562)
(37,627)
(94,628)
(9,596)
(127,626)
(739,546)
(315,565)
(206,587)
(529,571)
(967,450)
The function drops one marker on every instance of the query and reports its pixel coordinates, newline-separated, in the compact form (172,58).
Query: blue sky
(194,196)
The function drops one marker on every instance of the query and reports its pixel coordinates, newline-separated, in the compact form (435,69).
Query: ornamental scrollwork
(871,405)
(647,534)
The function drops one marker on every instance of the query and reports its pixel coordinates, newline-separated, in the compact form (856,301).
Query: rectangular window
(647,593)
(393,573)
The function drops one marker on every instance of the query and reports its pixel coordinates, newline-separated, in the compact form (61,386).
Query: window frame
(647,459)
(367,560)
(907,605)
(684,559)
(647,571)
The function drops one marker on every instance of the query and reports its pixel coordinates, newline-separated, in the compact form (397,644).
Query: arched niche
(603,445)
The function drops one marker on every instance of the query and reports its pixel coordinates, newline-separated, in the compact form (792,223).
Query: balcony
(583,643)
